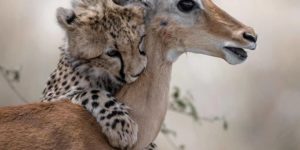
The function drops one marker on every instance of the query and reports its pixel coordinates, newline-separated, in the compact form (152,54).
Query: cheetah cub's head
(109,37)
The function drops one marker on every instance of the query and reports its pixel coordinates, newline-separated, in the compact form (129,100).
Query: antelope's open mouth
(238,52)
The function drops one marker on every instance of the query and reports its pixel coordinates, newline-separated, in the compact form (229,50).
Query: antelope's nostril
(250,37)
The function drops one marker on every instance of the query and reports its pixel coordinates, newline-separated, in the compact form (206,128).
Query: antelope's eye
(186,5)
(113,53)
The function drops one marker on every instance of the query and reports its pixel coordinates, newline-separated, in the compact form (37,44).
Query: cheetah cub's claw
(120,129)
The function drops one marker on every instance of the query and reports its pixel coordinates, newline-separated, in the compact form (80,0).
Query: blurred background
(257,104)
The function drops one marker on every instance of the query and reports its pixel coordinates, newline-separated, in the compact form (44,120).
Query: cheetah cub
(104,51)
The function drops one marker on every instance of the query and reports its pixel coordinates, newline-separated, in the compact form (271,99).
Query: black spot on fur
(76,83)
(73,78)
(112,114)
(77,97)
(123,123)
(56,88)
(84,102)
(50,87)
(67,87)
(83,94)
(120,113)
(95,91)
(102,118)
(95,97)
(53,76)
(64,83)
(103,111)
(109,104)
(116,121)
(95,104)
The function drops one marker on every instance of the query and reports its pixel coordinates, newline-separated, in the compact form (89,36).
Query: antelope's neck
(148,96)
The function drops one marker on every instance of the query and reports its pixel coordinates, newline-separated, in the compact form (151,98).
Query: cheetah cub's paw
(119,128)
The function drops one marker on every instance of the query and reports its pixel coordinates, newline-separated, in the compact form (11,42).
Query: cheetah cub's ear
(65,18)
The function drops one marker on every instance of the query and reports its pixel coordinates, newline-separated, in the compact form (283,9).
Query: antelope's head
(199,26)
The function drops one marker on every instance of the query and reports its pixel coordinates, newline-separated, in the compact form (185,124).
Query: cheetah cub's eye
(113,53)
(142,46)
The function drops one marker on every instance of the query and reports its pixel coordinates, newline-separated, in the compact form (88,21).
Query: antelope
(174,27)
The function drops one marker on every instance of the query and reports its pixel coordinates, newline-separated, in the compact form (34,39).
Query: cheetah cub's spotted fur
(103,52)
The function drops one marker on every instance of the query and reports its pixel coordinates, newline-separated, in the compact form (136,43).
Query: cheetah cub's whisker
(103,52)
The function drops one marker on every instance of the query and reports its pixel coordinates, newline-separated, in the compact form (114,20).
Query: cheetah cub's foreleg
(112,116)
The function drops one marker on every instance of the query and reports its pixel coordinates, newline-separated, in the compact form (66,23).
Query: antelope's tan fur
(41,126)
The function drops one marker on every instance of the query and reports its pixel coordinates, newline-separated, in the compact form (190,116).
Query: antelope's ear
(148,6)
(65,18)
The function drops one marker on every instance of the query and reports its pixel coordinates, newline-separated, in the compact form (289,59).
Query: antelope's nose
(248,38)
(251,37)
